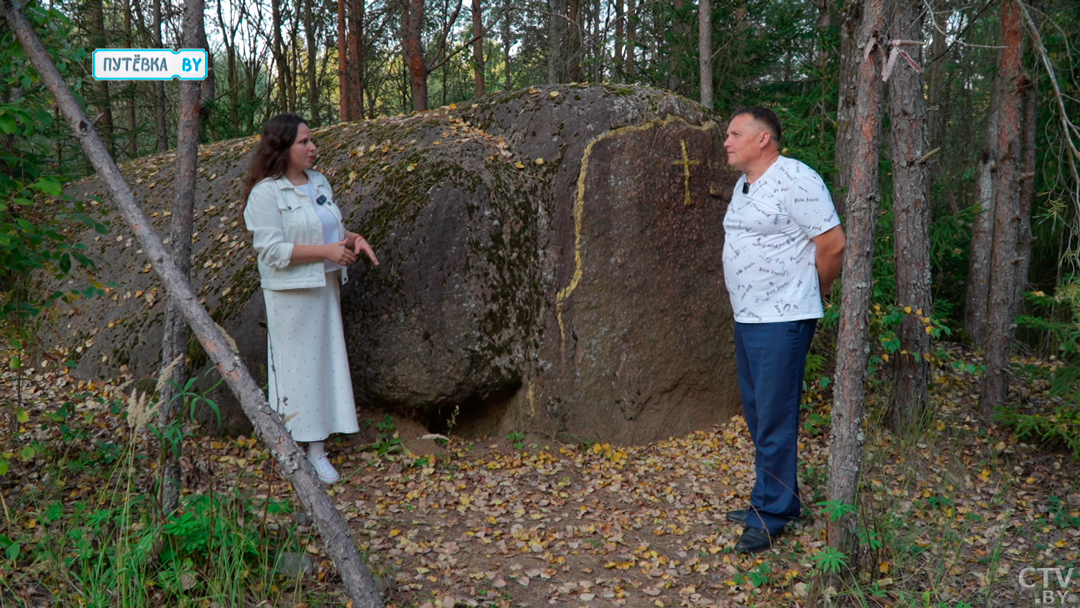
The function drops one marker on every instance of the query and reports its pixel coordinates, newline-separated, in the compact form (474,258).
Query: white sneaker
(324,470)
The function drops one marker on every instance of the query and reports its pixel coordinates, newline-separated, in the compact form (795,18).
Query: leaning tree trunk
(1006,258)
(845,458)
(705,74)
(332,527)
(175,336)
(911,213)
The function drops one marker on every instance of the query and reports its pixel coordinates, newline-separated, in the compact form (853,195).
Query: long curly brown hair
(271,155)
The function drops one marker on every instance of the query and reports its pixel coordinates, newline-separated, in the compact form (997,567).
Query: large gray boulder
(551,262)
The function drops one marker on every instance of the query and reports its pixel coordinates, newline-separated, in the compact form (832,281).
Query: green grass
(110,547)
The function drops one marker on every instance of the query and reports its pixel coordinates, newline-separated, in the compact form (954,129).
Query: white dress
(310,384)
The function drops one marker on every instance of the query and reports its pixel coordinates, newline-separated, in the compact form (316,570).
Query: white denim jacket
(281,215)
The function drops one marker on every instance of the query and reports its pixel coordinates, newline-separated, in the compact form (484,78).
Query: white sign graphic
(149,64)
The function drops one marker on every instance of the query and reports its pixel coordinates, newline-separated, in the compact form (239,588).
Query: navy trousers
(771,359)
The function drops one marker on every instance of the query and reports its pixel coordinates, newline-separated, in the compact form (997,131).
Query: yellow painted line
(579,201)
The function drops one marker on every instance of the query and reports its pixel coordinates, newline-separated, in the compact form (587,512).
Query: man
(783,249)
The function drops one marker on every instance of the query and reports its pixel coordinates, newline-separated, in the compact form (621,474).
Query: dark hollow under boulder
(551,263)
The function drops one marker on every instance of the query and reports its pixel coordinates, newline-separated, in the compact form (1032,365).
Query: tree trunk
(412,26)
(332,527)
(478,49)
(509,84)
(630,67)
(847,128)
(911,213)
(845,457)
(357,69)
(1027,176)
(284,77)
(705,52)
(159,88)
(574,47)
(312,64)
(175,336)
(619,69)
(343,62)
(935,86)
(1005,262)
(982,229)
(557,51)
(95,12)
(133,123)
(228,35)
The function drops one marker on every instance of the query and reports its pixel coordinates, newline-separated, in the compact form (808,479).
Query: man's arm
(830,256)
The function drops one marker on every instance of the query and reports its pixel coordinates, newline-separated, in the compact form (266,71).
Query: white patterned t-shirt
(769,257)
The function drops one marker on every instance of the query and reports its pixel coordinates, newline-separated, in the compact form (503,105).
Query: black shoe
(739,516)
(753,540)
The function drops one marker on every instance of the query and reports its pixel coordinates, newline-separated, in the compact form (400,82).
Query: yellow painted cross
(686,162)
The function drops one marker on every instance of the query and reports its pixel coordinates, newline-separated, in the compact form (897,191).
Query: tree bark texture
(558,40)
(332,527)
(705,72)
(343,59)
(283,76)
(102,100)
(159,88)
(509,83)
(130,90)
(630,64)
(478,48)
(175,335)
(619,60)
(911,214)
(228,37)
(312,65)
(936,65)
(1005,262)
(847,129)
(849,392)
(357,65)
(574,44)
(1027,185)
(412,26)
(982,229)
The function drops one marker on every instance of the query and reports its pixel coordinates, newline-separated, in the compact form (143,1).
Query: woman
(304,250)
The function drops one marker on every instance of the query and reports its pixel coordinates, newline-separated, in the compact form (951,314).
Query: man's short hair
(764,116)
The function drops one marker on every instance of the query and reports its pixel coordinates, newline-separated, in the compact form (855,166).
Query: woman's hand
(339,253)
(358,244)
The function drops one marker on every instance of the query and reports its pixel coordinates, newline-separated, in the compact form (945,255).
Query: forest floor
(962,515)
